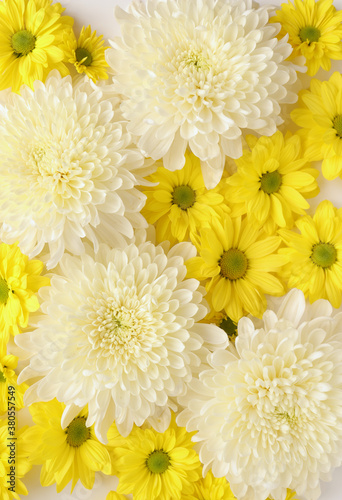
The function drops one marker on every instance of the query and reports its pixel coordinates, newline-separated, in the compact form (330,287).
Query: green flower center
(184,197)
(81,54)
(2,377)
(309,33)
(158,462)
(4,291)
(271,182)
(77,432)
(233,264)
(337,124)
(23,42)
(323,254)
(229,327)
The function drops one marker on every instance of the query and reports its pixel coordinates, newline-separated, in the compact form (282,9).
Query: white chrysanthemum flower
(68,170)
(269,415)
(120,333)
(198,73)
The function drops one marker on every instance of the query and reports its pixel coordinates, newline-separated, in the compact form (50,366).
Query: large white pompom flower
(198,73)
(269,416)
(119,331)
(68,170)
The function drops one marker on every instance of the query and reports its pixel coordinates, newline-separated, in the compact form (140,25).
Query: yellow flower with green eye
(69,454)
(238,263)
(319,115)
(315,254)
(87,54)
(180,204)
(272,182)
(314,30)
(158,465)
(31,32)
(19,281)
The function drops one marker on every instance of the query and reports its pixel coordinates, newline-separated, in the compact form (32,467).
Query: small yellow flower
(314,30)
(66,454)
(320,116)
(180,204)
(8,378)
(236,260)
(158,465)
(87,54)
(272,182)
(315,255)
(211,488)
(19,281)
(31,32)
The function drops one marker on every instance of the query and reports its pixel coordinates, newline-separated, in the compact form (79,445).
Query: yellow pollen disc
(233,264)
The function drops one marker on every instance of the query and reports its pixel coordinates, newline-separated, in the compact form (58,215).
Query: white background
(100,14)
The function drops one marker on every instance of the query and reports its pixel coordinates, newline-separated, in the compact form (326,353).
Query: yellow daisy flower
(8,378)
(315,255)
(320,116)
(314,30)
(19,281)
(273,181)
(87,54)
(158,465)
(31,32)
(11,472)
(236,259)
(180,204)
(66,454)
(211,488)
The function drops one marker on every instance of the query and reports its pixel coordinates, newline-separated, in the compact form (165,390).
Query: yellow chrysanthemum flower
(314,30)
(87,54)
(320,116)
(315,255)
(236,259)
(8,378)
(158,465)
(31,32)
(12,471)
(19,281)
(273,181)
(211,488)
(66,454)
(180,204)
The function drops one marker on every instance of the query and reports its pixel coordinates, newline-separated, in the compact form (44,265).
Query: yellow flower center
(229,327)
(337,124)
(83,56)
(158,462)
(77,432)
(184,197)
(270,182)
(197,60)
(2,377)
(233,264)
(323,254)
(4,291)
(309,34)
(23,42)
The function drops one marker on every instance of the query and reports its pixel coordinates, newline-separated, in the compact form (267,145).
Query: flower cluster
(170,296)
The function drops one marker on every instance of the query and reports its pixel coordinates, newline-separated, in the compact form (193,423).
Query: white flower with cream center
(119,332)
(269,415)
(68,170)
(198,74)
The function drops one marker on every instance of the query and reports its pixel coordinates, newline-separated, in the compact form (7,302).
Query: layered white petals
(119,331)
(198,73)
(68,170)
(269,413)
